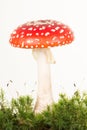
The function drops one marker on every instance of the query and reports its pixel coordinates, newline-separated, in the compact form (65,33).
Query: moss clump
(66,114)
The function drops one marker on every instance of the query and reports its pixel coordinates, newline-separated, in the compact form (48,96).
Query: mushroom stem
(44,94)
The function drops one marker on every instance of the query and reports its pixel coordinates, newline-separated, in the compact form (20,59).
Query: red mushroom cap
(41,34)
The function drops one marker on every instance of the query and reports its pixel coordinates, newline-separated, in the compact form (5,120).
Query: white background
(19,66)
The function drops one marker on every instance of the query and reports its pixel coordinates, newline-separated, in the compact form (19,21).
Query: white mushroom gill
(43,57)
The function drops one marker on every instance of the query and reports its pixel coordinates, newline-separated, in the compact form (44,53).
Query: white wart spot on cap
(63,43)
(62,30)
(18,45)
(17,36)
(52,43)
(23,28)
(14,32)
(64,26)
(54,38)
(30,28)
(37,40)
(37,26)
(61,37)
(29,34)
(32,47)
(29,41)
(66,41)
(37,34)
(13,37)
(58,23)
(36,46)
(58,42)
(49,26)
(10,40)
(52,24)
(70,32)
(42,46)
(53,30)
(57,28)
(68,36)
(42,28)
(21,36)
(34,29)
(47,42)
(22,32)
(47,34)
(42,34)
(26,46)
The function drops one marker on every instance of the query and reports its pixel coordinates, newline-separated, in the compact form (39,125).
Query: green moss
(66,114)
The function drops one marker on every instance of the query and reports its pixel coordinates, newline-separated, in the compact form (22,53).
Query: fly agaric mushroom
(39,36)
